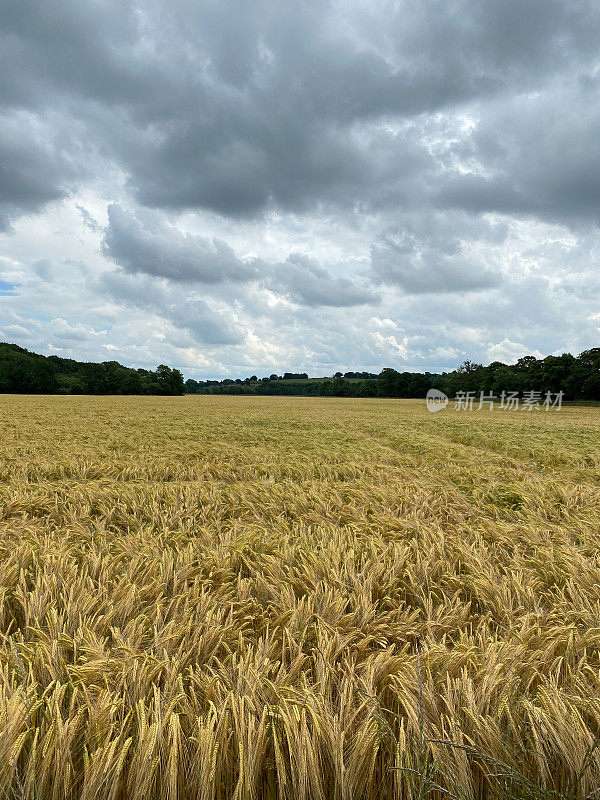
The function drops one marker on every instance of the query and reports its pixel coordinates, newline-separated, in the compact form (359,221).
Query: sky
(237,188)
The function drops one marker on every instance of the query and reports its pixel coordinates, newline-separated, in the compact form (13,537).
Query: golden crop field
(220,597)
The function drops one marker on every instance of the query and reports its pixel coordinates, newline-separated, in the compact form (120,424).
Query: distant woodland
(578,377)
(22,371)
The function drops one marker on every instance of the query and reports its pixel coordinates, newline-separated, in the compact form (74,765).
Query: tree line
(22,371)
(578,377)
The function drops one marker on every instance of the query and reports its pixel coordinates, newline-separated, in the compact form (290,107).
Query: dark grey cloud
(436,254)
(291,129)
(39,163)
(533,155)
(150,246)
(306,282)
(240,108)
(406,155)
(145,244)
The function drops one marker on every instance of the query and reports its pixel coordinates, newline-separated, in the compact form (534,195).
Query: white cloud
(300,186)
(509,352)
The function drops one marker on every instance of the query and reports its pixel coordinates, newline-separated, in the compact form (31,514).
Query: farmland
(221,597)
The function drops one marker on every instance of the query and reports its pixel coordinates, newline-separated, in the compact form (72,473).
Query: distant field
(320,380)
(222,597)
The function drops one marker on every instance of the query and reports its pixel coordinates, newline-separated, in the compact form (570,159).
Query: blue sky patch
(7,288)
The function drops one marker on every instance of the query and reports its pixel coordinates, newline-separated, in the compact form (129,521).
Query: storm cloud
(259,181)
(308,283)
(151,246)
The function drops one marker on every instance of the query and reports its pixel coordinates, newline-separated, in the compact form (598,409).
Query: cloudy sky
(247,187)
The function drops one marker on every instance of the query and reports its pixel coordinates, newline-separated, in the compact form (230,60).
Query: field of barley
(219,597)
